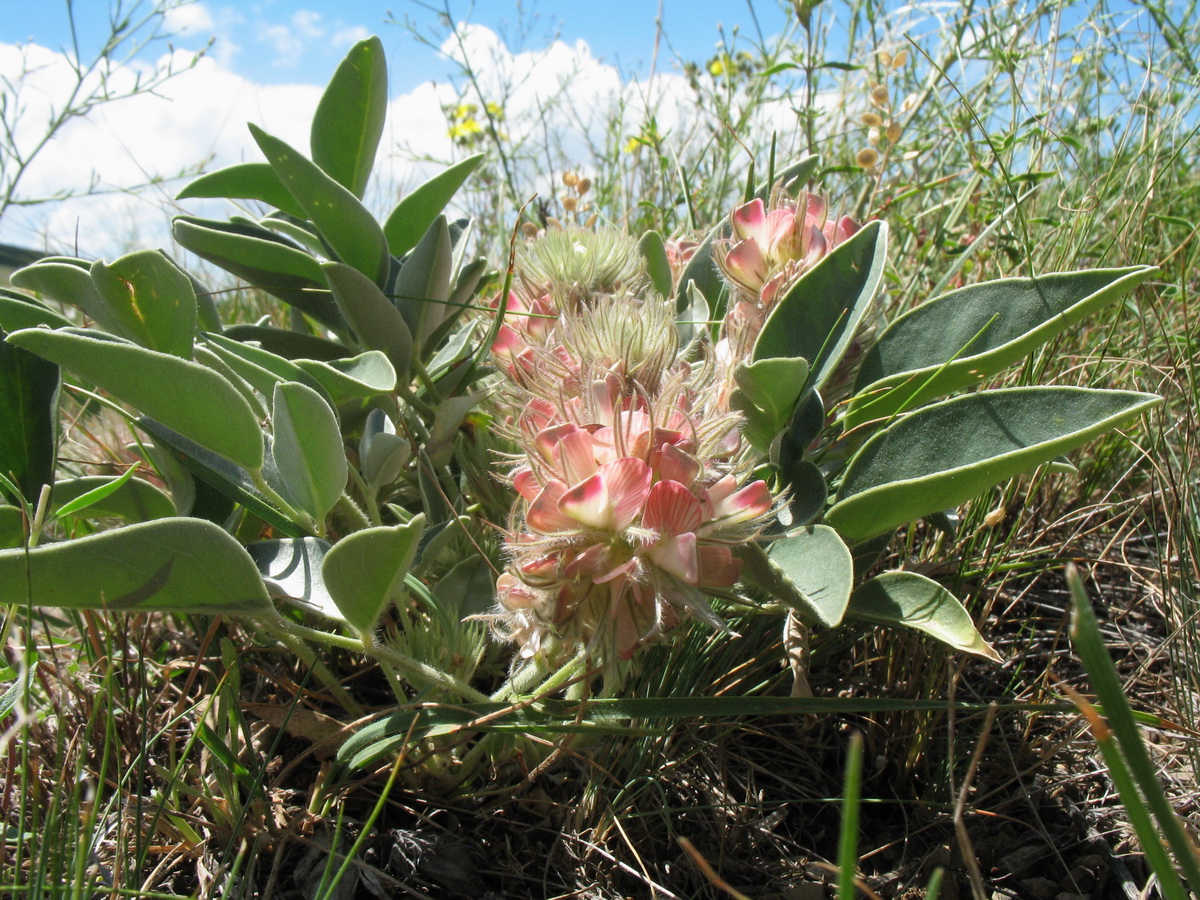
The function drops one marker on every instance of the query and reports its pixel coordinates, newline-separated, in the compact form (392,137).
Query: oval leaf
(183,395)
(152,298)
(68,281)
(945,454)
(244,181)
(767,391)
(263,259)
(658,267)
(260,368)
(956,340)
(349,119)
(343,221)
(219,474)
(810,571)
(373,318)
(818,317)
(169,565)
(364,572)
(181,486)
(307,449)
(423,285)
(19,310)
(288,344)
(906,598)
(359,377)
(415,213)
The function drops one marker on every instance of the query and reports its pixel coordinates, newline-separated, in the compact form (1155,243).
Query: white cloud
(560,95)
(291,41)
(197,117)
(307,23)
(192,18)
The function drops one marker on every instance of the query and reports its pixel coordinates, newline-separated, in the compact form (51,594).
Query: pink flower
(767,253)
(621,531)
(629,466)
(527,324)
(771,248)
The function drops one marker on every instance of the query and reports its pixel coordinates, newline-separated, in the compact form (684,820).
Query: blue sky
(301,41)
(269,62)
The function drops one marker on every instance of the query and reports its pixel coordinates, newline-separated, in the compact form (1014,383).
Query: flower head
(771,248)
(623,525)
(629,479)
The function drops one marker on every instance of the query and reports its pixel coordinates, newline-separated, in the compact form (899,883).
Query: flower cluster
(630,489)
(768,252)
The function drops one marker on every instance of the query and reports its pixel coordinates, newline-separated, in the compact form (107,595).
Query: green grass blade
(1132,767)
(848,837)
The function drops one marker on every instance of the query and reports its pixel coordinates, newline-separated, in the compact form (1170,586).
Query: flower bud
(872,119)
(899,59)
(570,179)
(879,95)
(894,131)
(867,158)
(529,229)
(873,137)
(583,186)
(569,203)
(885,58)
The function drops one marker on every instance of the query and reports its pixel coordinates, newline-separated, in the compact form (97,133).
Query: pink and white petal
(541,319)
(512,593)
(749,218)
(718,491)
(817,246)
(525,483)
(539,569)
(648,442)
(587,562)
(846,227)
(678,555)
(575,456)
(770,291)
(588,503)
(676,464)
(672,509)
(604,445)
(628,482)
(537,416)
(815,209)
(750,502)
(544,515)
(548,439)
(780,229)
(606,398)
(508,343)
(745,264)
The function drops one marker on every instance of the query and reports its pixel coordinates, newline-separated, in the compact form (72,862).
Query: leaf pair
(352,581)
(812,571)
